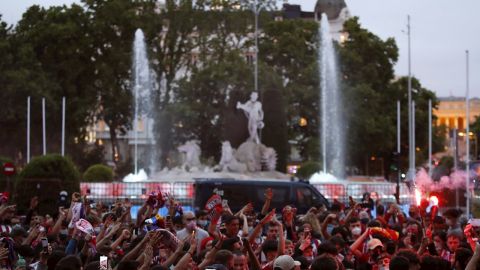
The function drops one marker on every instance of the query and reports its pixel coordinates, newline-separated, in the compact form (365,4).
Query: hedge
(98,173)
(45,177)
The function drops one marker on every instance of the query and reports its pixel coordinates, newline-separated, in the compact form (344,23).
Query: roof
(295,12)
(330,7)
(452,98)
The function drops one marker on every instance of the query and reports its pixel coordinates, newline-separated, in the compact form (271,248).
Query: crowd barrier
(184,191)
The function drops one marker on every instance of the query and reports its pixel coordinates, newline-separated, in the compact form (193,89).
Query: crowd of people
(88,235)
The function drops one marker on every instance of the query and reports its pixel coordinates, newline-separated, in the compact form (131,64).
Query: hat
(18,231)
(373,243)
(285,262)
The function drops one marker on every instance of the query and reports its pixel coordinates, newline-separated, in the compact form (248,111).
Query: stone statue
(253,111)
(192,152)
(228,162)
(257,157)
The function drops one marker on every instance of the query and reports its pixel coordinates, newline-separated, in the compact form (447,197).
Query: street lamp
(256,10)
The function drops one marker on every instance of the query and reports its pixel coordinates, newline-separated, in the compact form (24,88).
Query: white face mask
(438,246)
(356,231)
(202,223)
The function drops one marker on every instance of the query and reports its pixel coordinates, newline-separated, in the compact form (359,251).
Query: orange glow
(434,200)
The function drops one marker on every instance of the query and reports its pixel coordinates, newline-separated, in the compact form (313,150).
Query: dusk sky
(441,32)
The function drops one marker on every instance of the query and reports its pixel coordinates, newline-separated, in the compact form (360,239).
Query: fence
(182,191)
(384,191)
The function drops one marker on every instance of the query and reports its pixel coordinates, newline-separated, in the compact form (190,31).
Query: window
(304,196)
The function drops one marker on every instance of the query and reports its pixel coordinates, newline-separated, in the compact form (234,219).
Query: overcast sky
(441,32)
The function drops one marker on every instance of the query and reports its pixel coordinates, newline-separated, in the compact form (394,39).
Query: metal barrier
(385,191)
(138,192)
(184,191)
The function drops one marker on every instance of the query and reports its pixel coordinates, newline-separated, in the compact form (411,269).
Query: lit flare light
(418,196)
(434,200)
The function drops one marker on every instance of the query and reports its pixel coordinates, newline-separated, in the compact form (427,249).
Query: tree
(290,48)
(43,48)
(113,25)
(203,99)
(366,64)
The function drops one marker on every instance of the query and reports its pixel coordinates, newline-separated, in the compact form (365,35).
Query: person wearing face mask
(190,226)
(202,219)
(355,227)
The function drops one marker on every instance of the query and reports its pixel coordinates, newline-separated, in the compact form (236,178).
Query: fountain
(252,159)
(332,133)
(143,110)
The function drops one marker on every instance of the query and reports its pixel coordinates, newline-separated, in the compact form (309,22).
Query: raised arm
(258,228)
(268,200)
(356,245)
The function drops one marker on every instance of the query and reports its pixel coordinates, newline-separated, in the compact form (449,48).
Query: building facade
(452,114)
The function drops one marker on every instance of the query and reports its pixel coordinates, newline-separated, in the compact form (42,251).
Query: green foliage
(46,176)
(274,134)
(366,63)
(289,47)
(307,169)
(92,154)
(98,173)
(53,166)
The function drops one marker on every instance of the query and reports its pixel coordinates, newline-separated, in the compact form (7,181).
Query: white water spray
(332,127)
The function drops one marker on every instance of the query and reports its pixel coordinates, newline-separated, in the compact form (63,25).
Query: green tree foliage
(274,134)
(307,169)
(203,103)
(421,96)
(21,75)
(59,38)
(371,93)
(98,173)
(290,48)
(46,176)
(113,25)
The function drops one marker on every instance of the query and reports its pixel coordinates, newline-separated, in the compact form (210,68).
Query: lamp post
(467,101)
(411,149)
(256,10)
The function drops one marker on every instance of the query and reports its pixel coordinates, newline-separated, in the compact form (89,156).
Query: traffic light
(395,166)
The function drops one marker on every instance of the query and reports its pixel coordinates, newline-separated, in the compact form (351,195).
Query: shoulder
(182,233)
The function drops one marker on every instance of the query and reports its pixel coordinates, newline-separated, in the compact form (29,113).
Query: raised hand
(268,217)
(268,194)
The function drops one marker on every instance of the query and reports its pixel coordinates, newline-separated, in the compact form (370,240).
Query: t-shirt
(200,234)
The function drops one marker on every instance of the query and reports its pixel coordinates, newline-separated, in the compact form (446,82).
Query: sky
(441,32)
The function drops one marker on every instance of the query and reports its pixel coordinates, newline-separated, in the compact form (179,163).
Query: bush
(307,169)
(45,177)
(98,173)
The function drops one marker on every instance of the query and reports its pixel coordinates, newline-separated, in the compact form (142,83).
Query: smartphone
(44,244)
(103,262)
